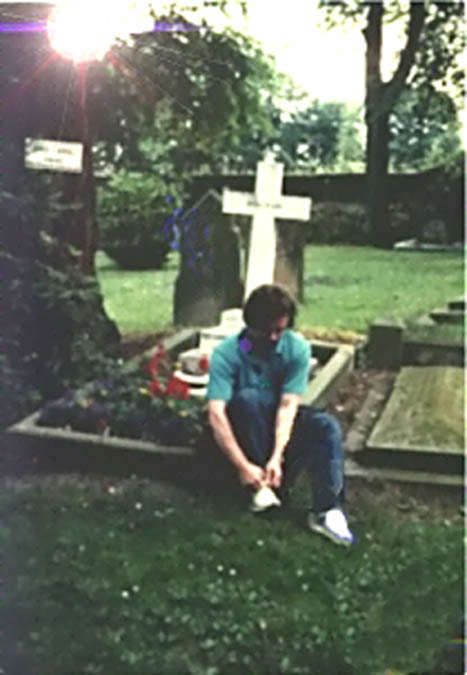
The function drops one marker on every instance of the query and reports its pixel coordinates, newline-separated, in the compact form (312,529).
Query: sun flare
(84,30)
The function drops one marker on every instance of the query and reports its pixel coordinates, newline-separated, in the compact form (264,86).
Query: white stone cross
(265,205)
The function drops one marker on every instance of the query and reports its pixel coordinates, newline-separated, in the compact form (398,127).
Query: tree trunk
(87,188)
(379,102)
(87,214)
(377,159)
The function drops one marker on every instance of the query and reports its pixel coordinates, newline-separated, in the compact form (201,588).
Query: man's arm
(249,473)
(285,417)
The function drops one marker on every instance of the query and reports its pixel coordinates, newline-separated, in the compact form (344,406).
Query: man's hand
(274,472)
(252,475)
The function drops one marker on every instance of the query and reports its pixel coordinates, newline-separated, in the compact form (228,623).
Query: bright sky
(328,64)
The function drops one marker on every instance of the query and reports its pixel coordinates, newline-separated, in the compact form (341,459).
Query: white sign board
(63,156)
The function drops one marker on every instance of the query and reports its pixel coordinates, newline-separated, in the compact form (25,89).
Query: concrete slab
(421,426)
(424,412)
(448,315)
(425,353)
(457,303)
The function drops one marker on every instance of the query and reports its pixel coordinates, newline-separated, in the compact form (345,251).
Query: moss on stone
(424,411)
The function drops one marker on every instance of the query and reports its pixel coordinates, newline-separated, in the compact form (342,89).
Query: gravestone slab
(385,345)
(422,421)
(457,304)
(288,271)
(265,206)
(448,315)
(209,278)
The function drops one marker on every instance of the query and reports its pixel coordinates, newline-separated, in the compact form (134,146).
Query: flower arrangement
(163,383)
(127,405)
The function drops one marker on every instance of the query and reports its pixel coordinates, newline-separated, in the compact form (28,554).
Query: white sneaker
(263,499)
(332,524)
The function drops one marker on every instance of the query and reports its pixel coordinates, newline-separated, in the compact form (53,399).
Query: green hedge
(132,208)
(344,223)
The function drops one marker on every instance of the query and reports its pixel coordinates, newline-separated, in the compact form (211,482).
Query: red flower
(156,388)
(204,363)
(176,388)
(153,365)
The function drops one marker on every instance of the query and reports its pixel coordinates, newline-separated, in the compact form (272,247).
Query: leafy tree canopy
(427,63)
(425,131)
(322,137)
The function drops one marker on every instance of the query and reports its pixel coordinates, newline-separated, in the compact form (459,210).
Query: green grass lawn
(120,582)
(124,583)
(139,301)
(346,288)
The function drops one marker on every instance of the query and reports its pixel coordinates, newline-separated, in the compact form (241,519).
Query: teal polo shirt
(235,366)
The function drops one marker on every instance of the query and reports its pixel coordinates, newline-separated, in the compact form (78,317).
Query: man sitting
(256,380)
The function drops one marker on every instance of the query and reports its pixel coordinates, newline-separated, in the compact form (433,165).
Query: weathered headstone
(209,275)
(291,241)
(385,347)
(290,254)
(265,206)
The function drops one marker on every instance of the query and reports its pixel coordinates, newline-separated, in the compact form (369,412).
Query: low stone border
(28,448)
(184,339)
(355,471)
(368,414)
(28,427)
(416,353)
(333,374)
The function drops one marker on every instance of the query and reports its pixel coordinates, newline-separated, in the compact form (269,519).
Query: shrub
(132,208)
(127,403)
(336,223)
(347,223)
(18,397)
(53,326)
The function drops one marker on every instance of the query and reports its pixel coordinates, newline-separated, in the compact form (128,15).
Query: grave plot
(421,425)
(411,426)
(30,447)
(414,432)
(192,351)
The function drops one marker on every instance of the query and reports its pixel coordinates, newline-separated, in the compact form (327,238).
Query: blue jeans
(315,445)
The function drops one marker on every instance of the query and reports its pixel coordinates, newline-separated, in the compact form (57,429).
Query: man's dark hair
(266,304)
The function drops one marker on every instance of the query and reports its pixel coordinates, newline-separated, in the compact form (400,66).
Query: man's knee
(321,424)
